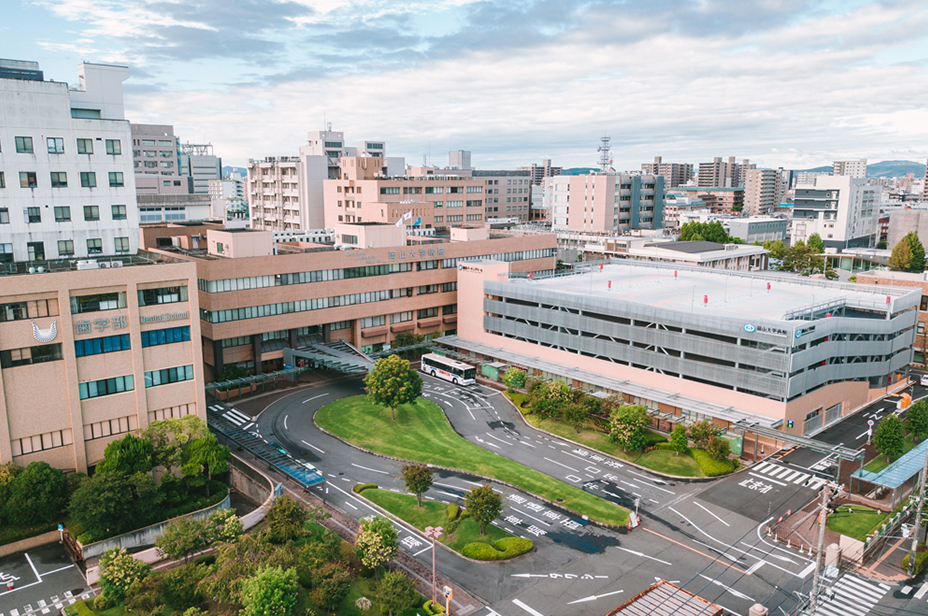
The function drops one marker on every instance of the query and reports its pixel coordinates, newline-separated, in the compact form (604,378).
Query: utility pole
(820,556)
(918,515)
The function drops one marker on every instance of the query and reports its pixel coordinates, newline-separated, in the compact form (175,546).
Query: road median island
(462,534)
(421,433)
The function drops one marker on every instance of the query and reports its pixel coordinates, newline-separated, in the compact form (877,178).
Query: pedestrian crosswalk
(850,596)
(237,417)
(783,475)
(54,603)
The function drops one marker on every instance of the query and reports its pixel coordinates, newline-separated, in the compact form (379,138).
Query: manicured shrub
(507,547)
(709,466)
(82,608)
(453,510)
(921,558)
(653,438)
(363,486)
(101,603)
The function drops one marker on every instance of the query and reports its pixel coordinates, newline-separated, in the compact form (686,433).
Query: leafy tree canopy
(484,505)
(418,480)
(889,438)
(170,437)
(37,494)
(706,232)
(127,456)
(626,426)
(392,383)
(908,255)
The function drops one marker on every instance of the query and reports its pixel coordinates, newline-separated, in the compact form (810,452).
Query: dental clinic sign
(167,316)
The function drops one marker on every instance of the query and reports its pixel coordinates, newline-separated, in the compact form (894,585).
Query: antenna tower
(605,158)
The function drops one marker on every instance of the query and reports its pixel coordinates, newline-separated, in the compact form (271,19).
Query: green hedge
(80,608)
(453,510)
(652,438)
(363,486)
(433,609)
(710,467)
(921,557)
(507,547)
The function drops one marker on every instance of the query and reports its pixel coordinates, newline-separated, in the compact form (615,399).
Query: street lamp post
(433,533)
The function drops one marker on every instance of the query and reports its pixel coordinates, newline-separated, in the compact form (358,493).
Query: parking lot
(39,581)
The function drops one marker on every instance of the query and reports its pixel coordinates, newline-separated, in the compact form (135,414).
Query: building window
(85,146)
(390,190)
(373,322)
(449,309)
(110,427)
(122,244)
(226,343)
(4,216)
(168,375)
(427,313)
(62,213)
(339,325)
(433,190)
(113,146)
(41,442)
(2,180)
(55,145)
(454,204)
(94,246)
(350,239)
(33,214)
(105,387)
(401,317)
(27,179)
(97,346)
(19,311)
(59,179)
(116,179)
(91,212)
(99,302)
(24,145)
(88,179)
(475,204)
(448,287)
(157,337)
(149,142)
(455,189)
(30,355)
(164,295)
(65,248)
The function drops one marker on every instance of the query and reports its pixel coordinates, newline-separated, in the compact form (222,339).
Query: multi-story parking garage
(789,353)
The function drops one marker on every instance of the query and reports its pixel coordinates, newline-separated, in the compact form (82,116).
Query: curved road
(577,568)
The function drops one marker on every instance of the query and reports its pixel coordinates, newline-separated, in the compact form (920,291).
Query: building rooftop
(693,247)
(63,265)
(734,295)
(665,599)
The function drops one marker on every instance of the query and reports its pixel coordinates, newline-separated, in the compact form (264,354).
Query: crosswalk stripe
(801,478)
(761,465)
(782,474)
(770,469)
(791,476)
(862,588)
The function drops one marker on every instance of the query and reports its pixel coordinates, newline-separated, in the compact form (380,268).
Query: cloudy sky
(783,82)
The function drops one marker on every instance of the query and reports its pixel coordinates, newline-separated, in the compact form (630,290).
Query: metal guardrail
(274,456)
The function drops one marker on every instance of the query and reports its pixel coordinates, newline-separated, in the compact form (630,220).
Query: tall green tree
(815,244)
(576,414)
(285,519)
(331,583)
(916,420)
(182,538)
(392,383)
(118,571)
(777,249)
(205,454)
(627,425)
(376,541)
(888,438)
(272,591)
(707,232)
(514,378)
(238,561)
(701,431)
(38,494)
(484,505)
(418,480)
(395,592)
(678,441)
(109,503)
(908,255)
(126,456)
(170,437)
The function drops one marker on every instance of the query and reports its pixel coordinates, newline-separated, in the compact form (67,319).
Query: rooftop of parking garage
(718,293)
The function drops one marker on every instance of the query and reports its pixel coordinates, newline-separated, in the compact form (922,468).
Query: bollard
(833,555)
(757,609)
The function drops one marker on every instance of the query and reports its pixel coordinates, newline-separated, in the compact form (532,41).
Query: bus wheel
(454,380)
(433,374)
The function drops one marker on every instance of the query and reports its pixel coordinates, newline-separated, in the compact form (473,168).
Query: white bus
(457,372)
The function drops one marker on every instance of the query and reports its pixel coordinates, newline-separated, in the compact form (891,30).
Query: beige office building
(88,355)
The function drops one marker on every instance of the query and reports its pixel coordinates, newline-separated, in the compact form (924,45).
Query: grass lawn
(433,513)
(879,463)
(422,433)
(658,460)
(857,524)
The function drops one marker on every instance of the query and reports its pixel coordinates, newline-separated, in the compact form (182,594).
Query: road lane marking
(286,417)
(756,566)
(499,439)
(369,469)
(648,478)
(646,556)
(712,514)
(805,572)
(313,446)
(34,570)
(595,597)
(630,484)
(765,478)
(314,398)
(530,515)
(423,550)
(531,611)
(564,465)
(740,595)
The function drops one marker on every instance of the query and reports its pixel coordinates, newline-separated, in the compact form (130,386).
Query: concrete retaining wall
(27,544)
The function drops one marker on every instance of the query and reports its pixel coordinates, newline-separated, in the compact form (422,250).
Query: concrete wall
(28,544)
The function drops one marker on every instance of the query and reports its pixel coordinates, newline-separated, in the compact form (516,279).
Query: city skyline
(790,83)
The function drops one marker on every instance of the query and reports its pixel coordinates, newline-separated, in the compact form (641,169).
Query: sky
(793,83)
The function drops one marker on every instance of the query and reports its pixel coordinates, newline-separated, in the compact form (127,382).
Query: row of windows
(110,427)
(66,247)
(164,295)
(55,145)
(340,325)
(268,310)
(34,309)
(63,213)
(168,375)
(170,335)
(98,302)
(30,355)
(106,344)
(41,442)
(105,387)
(237,341)
(521,255)
(369,322)
(260,282)
(59,179)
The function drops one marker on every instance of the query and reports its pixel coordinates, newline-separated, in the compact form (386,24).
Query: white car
(924,380)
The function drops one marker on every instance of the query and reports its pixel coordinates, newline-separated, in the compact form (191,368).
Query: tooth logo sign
(45,335)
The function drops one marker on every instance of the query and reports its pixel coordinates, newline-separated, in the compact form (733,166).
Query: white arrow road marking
(728,588)
(529,575)
(646,556)
(595,597)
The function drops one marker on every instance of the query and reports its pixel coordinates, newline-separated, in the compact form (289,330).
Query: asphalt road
(577,568)
(43,581)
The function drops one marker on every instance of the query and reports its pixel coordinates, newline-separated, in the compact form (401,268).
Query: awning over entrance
(900,471)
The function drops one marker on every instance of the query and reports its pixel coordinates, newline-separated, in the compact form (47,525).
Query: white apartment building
(227,199)
(853,168)
(273,189)
(605,202)
(67,183)
(843,210)
(760,192)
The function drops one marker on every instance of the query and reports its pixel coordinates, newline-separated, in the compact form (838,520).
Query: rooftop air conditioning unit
(87,265)
(116,263)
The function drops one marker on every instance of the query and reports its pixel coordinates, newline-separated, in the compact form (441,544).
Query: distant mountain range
(227,171)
